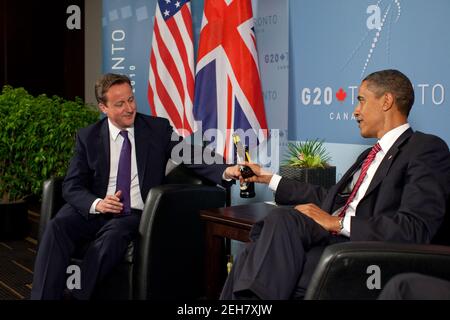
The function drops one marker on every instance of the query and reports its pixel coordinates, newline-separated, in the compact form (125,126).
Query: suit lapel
(104,155)
(141,148)
(388,159)
(343,182)
(355,167)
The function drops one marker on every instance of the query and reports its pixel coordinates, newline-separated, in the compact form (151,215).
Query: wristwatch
(341,224)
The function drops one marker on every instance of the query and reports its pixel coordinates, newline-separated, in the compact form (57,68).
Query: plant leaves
(37,139)
(308,154)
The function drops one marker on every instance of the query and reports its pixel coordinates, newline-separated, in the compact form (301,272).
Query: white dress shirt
(115,145)
(386,143)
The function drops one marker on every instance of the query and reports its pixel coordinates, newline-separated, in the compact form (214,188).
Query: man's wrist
(226,177)
(267,178)
(93,208)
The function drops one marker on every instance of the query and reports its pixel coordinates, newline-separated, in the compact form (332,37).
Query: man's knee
(114,238)
(399,286)
(400,280)
(291,218)
(64,221)
(278,218)
(282,215)
(285,218)
(57,225)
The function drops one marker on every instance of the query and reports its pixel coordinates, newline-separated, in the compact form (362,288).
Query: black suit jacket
(88,173)
(406,199)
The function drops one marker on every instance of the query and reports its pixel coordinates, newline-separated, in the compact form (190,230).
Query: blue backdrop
(335,44)
(308,51)
(127,35)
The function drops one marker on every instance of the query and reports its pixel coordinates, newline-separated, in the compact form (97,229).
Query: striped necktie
(365,166)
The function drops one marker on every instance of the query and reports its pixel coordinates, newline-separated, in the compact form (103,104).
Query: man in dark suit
(415,286)
(395,191)
(116,162)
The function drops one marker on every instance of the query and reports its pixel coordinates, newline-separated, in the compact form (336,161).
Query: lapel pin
(390,157)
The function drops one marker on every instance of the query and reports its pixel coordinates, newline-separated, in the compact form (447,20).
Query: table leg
(215,263)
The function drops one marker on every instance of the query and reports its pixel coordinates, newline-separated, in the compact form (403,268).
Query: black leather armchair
(342,272)
(166,259)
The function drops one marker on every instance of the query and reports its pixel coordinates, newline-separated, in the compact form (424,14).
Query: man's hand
(111,204)
(261,175)
(232,172)
(327,221)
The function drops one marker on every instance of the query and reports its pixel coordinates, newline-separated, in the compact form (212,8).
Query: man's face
(369,113)
(120,106)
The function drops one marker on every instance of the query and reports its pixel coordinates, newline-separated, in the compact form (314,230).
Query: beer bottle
(247,189)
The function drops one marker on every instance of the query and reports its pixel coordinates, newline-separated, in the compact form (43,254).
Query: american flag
(228,94)
(171,77)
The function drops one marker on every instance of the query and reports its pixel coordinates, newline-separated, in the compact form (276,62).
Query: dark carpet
(16,268)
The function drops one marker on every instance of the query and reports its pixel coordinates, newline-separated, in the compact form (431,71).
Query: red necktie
(365,166)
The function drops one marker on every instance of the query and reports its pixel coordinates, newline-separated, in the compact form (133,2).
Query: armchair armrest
(169,257)
(52,201)
(342,272)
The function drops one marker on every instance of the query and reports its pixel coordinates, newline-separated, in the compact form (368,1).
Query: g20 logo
(426,94)
(324,96)
(317,96)
(276,57)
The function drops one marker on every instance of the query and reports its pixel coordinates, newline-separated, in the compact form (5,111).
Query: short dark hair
(395,82)
(105,82)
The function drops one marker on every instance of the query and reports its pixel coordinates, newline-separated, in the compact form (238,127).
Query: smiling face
(369,112)
(120,106)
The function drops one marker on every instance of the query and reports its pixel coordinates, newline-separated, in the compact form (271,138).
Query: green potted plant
(37,137)
(309,162)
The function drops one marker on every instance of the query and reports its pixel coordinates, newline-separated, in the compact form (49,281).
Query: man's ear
(388,101)
(103,107)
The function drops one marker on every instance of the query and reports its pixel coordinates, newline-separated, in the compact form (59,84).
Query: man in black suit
(415,286)
(395,191)
(117,161)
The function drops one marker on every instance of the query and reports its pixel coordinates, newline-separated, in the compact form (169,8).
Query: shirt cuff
(274,182)
(223,177)
(346,223)
(94,204)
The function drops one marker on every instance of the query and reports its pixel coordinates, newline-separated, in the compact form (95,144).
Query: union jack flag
(228,94)
(171,77)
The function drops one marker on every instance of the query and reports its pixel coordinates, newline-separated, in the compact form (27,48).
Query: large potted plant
(309,162)
(37,137)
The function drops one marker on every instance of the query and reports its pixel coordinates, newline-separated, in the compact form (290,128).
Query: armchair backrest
(169,257)
(349,270)
(52,201)
(342,270)
(182,175)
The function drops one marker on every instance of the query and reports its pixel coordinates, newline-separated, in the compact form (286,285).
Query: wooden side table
(232,223)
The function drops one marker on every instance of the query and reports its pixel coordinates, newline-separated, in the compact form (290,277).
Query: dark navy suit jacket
(88,173)
(406,199)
